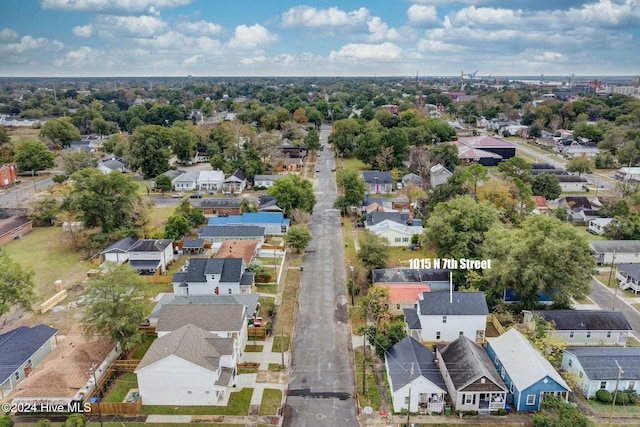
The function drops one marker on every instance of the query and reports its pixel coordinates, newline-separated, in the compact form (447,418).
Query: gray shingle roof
(193,243)
(377,217)
(249,300)
(210,317)
(586,320)
(121,245)
(412,319)
(18,345)
(620,246)
(231,231)
(147,245)
(408,353)
(190,343)
(599,363)
(219,202)
(383,177)
(247,278)
(229,270)
(464,303)
(409,275)
(467,363)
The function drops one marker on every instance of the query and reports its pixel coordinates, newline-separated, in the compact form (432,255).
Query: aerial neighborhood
(221,250)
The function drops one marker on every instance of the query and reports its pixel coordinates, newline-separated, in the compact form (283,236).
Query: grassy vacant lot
(49,252)
(271,400)
(353,163)
(372,395)
(238,405)
(288,305)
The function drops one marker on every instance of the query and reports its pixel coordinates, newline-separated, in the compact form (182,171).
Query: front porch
(628,282)
(431,403)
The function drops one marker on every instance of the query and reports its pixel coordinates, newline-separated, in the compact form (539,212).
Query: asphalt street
(605,298)
(322,382)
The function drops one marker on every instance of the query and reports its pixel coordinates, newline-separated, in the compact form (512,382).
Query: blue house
(526,373)
(274,223)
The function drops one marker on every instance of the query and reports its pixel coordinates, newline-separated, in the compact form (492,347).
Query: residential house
(445,316)
(576,147)
(628,174)
(597,225)
(268,204)
(471,379)
(527,375)
(21,350)
(396,234)
(188,181)
(210,181)
(414,379)
(628,276)
(412,178)
(111,165)
(188,367)
(200,156)
(245,249)
(586,327)
(437,279)
(173,174)
(541,205)
(403,296)
(217,234)
(469,155)
(607,252)
(373,204)
(13,228)
(209,276)
(118,252)
(223,206)
(193,247)
(8,175)
(376,218)
(151,257)
(378,182)
(273,223)
(266,181)
(572,183)
(236,182)
(439,175)
(401,204)
(597,368)
(289,150)
(578,208)
(223,320)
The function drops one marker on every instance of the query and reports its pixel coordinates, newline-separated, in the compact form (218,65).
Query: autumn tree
(300,116)
(298,237)
(413,193)
(385,159)
(16,285)
(76,160)
(116,306)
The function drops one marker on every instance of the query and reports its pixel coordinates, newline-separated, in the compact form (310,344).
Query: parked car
(257,322)
(177,196)
(317,170)
(333,169)
(196,196)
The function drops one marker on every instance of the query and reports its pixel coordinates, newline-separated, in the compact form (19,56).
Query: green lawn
(401,255)
(275,367)
(271,400)
(141,350)
(253,348)
(278,341)
(604,409)
(238,405)
(356,164)
(372,395)
(126,382)
(267,289)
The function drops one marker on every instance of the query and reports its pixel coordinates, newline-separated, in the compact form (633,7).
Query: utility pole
(95,384)
(615,393)
(615,294)
(282,343)
(353,295)
(364,363)
(409,402)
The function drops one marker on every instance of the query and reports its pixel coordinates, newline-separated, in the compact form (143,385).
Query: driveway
(321,381)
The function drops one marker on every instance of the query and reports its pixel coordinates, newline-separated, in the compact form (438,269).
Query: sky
(109,38)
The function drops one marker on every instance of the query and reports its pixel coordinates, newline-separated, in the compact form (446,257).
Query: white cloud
(421,15)
(113,6)
(484,16)
(84,31)
(436,46)
(201,27)
(130,26)
(310,17)
(192,60)
(253,37)
(76,58)
(367,52)
(23,46)
(380,31)
(7,34)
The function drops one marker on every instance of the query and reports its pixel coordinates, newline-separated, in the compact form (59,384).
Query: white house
(597,368)
(274,223)
(210,180)
(439,175)
(236,182)
(572,183)
(111,165)
(414,379)
(629,277)
(395,233)
(213,276)
(187,367)
(266,180)
(378,182)
(188,181)
(446,316)
(628,173)
(118,252)
(607,252)
(150,256)
(222,320)
(21,350)
(597,225)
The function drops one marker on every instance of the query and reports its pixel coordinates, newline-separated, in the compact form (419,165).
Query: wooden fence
(53,301)
(129,365)
(496,323)
(147,330)
(255,331)
(116,408)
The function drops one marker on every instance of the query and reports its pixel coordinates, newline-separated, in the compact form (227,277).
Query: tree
(547,185)
(375,304)
(300,116)
(106,201)
(184,142)
(396,139)
(60,132)
(163,183)
(385,159)
(33,156)
(314,116)
(445,154)
(579,164)
(343,136)
(293,192)
(116,306)
(558,413)
(353,189)
(516,167)
(16,285)
(474,174)
(590,132)
(373,252)
(312,140)
(457,228)
(298,237)
(543,255)
(413,193)
(76,160)
(149,150)
(177,227)
(194,215)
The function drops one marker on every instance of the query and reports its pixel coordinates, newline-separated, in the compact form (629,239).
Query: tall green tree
(547,185)
(149,150)
(516,167)
(184,142)
(312,140)
(76,160)
(343,137)
(106,201)
(445,154)
(61,132)
(33,156)
(579,164)
(298,237)
(474,174)
(374,251)
(543,255)
(457,228)
(293,192)
(353,189)
(16,285)
(163,183)
(397,139)
(177,227)
(116,306)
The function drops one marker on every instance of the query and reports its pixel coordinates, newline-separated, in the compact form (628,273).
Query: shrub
(622,398)
(501,411)
(43,423)
(75,420)
(6,421)
(603,396)
(59,179)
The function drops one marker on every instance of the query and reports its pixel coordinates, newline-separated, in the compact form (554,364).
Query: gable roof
(411,318)
(237,175)
(404,294)
(249,300)
(267,177)
(438,168)
(467,362)
(121,245)
(190,343)
(150,245)
(210,176)
(210,317)
(632,270)
(485,142)
(586,320)
(382,177)
(9,224)
(221,202)
(540,202)
(229,270)
(407,355)
(470,153)
(619,246)
(113,164)
(245,249)
(18,345)
(522,361)
(250,218)
(191,176)
(389,225)
(374,218)
(231,231)
(599,363)
(192,243)
(463,303)
(409,275)
(173,173)
(575,202)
